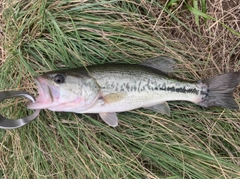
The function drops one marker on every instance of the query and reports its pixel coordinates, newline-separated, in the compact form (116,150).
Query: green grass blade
(48,35)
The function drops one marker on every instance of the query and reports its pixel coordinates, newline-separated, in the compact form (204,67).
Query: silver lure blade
(13,124)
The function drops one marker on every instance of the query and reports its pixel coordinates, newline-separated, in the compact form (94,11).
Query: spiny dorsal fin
(110,118)
(160,108)
(162,63)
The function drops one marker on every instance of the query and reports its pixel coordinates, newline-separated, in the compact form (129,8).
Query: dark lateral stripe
(182,90)
(150,87)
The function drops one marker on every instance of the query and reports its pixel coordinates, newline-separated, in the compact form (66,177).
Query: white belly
(137,100)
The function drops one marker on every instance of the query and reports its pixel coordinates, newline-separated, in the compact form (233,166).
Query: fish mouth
(47,95)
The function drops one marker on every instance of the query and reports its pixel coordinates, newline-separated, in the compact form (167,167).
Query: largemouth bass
(110,88)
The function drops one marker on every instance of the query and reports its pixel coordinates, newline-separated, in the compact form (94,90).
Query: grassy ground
(39,35)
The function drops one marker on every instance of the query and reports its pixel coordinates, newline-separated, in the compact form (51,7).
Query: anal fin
(160,108)
(110,118)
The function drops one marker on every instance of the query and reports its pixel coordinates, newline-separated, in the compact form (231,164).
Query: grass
(46,35)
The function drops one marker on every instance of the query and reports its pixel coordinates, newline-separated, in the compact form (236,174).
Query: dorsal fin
(162,63)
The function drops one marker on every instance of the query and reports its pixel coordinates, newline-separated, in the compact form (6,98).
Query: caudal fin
(220,90)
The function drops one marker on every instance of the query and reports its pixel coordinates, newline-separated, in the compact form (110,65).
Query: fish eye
(59,79)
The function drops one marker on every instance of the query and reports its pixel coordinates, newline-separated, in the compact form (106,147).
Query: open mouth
(43,90)
(45,96)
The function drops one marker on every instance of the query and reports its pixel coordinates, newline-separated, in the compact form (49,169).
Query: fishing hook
(6,123)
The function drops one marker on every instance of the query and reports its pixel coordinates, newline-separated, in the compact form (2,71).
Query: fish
(117,87)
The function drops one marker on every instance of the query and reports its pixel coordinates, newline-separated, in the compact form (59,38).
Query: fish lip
(39,81)
(44,94)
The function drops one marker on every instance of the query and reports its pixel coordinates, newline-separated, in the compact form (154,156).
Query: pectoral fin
(160,108)
(162,63)
(114,97)
(110,118)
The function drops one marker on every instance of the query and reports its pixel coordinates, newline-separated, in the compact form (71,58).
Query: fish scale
(145,87)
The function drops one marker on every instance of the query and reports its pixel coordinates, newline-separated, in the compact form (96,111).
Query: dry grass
(193,143)
(2,39)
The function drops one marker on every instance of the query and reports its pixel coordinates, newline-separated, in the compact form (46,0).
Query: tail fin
(220,90)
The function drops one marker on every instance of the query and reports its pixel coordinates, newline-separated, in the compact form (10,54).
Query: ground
(38,36)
